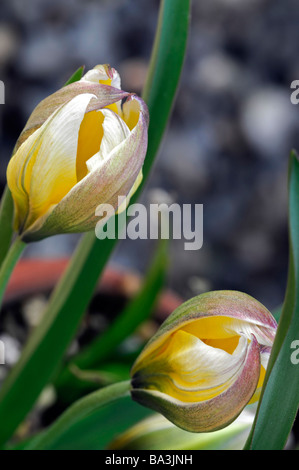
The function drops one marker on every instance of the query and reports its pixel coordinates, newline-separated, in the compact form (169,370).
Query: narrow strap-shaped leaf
(90,434)
(6,223)
(66,308)
(164,70)
(76,76)
(9,263)
(137,311)
(77,412)
(280,396)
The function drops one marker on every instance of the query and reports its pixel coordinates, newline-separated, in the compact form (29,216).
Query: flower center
(89,140)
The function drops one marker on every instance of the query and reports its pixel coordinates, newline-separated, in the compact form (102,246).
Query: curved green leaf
(90,434)
(137,311)
(76,76)
(6,223)
(77,412)
(280,396)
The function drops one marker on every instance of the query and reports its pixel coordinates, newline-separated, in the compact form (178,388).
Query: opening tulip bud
(82,146)
(207,361)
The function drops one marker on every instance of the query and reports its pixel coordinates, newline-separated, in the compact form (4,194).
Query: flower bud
(207,361)
(80,148)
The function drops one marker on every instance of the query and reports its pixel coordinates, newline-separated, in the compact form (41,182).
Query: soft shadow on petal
(115,177)
(55,162)
(212,414)
(104,96)
(115,131)
(217,314)
(103,74)
(189,370)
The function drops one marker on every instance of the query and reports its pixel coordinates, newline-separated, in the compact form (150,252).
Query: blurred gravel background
(229,138)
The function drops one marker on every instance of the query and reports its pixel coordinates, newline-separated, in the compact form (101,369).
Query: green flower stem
(9,263)
(78,411)
(6,216)
(135,313)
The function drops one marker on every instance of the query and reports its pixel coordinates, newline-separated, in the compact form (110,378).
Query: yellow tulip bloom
(207,361)
(80,148)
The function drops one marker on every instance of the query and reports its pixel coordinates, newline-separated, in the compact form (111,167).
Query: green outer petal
(76,211)
(213,414)
(231,304)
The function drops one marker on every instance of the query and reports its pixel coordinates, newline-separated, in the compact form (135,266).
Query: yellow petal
(55,163)
(48,172)
(210,414)
(189,370)
(115,131)
(89,142)
(108,179)
(15,177)
(131,110)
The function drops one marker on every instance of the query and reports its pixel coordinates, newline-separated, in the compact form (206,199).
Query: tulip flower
(80,148)
(207,361)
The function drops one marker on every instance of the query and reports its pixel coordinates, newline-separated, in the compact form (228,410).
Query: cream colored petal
(103,74)
(115,177)
(115,132)
(217,315)
(225,327)
(53,172)
(134,188)
(189,370)
(211,414)
(15,177)
(105,96)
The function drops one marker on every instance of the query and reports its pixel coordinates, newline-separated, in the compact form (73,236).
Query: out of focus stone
(268,119)
(12,349)
(133,74)
(9,42)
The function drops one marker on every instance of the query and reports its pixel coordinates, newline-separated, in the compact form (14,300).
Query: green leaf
(70,299)
(104,376)
(165,70)
(45,348)
(277,313)
(279,401)
(76,76)
(77,412)
(9,263)
(97,430)
(6,223)
(137,311)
